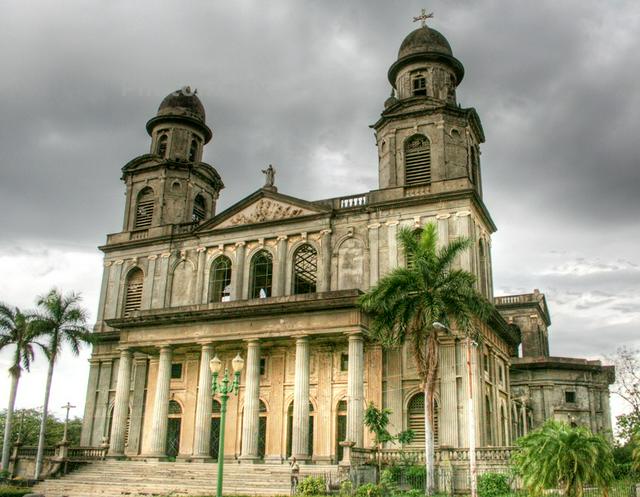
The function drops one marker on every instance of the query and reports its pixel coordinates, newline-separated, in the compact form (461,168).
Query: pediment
(262,207)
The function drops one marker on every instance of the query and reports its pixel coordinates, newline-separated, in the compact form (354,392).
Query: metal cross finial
(68,407)
(423,17)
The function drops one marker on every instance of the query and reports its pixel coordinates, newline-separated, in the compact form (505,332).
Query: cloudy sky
(296,84)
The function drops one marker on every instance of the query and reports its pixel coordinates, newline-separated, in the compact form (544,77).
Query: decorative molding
(393,222)
(152,257)
(282,237)
(201,249)
(119,262)
(265,210)
(108,263)
(463,213)
(443,216)
(325,232)
(165,255)
(373,226)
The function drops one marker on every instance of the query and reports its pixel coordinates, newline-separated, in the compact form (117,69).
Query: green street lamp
(224,389)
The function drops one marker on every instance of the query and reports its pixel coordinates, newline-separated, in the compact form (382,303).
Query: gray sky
(296,84)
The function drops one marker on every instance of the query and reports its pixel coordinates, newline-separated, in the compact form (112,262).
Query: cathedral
(275,279)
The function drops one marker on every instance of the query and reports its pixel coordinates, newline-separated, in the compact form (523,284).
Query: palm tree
(16,331)
(62,321)
(561,456)
(405,304)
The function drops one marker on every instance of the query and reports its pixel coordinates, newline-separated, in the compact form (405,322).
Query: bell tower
(171,184)
(426,142)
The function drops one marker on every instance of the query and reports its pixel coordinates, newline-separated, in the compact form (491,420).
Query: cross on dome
(423,17)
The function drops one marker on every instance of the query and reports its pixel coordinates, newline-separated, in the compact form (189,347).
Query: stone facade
(276,279)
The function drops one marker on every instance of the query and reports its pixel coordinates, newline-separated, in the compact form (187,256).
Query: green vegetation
(493,485)
(312,485)
(27,424)
(558,456)
(8,491)
(405,304)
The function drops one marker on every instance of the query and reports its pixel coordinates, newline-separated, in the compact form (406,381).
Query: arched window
(174,425)
(199,209)
(305,269)
(144,208)
(417,161)
(193,150)
(488,421)
(261,275)
(162,145)
(133,295)
(214,440)
(415,420)
(220,282)
(419,85)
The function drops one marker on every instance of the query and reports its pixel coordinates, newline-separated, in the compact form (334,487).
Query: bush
(369,490)
(346,488)
(312,485)
(493,485)
(13,491)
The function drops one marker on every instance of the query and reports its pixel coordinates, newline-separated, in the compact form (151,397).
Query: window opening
(199,209)
(261,275)
(144,208)
(221,280)
(305,262)
(133,298)
(417,160)
(570,397)
(419,86)
(176,371)
(162,145)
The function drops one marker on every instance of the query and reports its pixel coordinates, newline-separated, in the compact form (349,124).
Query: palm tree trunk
(8,425)
(43,423)
(429,451)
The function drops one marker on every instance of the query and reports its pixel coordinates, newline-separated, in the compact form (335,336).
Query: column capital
(165,348)
(446,215)
(392,222)
(123,349)
(301,337)
(355,335)
(152,257)
(325,232)
(206,344)
(281,238)
(240,244)
(252,341)
(373,226)
(200,249)
(463,214)
(108,263)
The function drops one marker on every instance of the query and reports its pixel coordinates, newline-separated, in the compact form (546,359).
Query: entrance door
(341,429)
(173,437)
(214,443)
(262,436)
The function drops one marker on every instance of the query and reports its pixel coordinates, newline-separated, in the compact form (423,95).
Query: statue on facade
(270,174)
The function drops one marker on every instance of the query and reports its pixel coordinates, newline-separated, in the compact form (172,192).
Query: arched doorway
(173,429)
(341,428)
(290,429)
(214,439)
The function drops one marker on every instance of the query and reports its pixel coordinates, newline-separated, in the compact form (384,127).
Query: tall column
(251,415)
(443,229)
(202,435)
(121,405)
(281,267)
(147,289)
(463,229)
(102,402)
(325,275)
(392,243)
(374,265)
(239,272)
(137,403)
(300,434)
(159,421)
(202,257)
(355,390)
(90,403)
(448,393)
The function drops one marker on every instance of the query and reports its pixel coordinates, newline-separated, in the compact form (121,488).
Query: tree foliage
(27,423)
(405,304)
(564,457)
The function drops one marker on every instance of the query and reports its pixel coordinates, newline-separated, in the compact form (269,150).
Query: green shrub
(493,485)
(414,492)
(346,488)
(312,485)
(13,491)
(369,490)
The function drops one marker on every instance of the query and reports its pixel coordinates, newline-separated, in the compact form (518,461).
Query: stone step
(151,479)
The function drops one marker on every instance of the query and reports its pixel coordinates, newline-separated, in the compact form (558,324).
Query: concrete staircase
(155,479)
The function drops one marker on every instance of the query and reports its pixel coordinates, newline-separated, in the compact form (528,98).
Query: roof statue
(270,175)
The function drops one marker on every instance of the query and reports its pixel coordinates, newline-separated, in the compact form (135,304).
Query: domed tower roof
(425,44)
(182,105)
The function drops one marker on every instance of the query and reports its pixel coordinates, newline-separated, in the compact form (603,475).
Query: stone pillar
(355,390)
(202,257)
(393,388)
(102,402)
(374,265)
(300,432)
(239,272)
(392,242)
(251,414)
(121,405)
(325,275)
(159,421)
(137,403)
(443,229)
(448,393)
(90,403)
(111,303)
(463,220)
(202,434)
(103,291)
(159,298)
(149,280)
(281,267)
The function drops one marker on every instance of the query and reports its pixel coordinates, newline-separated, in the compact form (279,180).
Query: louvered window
(133,298)
(305,262)
(415,421)
(417,158)
(199,209)
(144,208)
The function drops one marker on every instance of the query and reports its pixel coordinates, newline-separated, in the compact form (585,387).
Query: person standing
(295,475)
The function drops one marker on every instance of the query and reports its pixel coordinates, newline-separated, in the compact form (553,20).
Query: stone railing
(56,460)
(32,451)
(86,453)
(385,457)
(526,298)
(353,201)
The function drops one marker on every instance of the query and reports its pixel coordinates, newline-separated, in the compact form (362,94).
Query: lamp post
(471,419)
(224,388)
